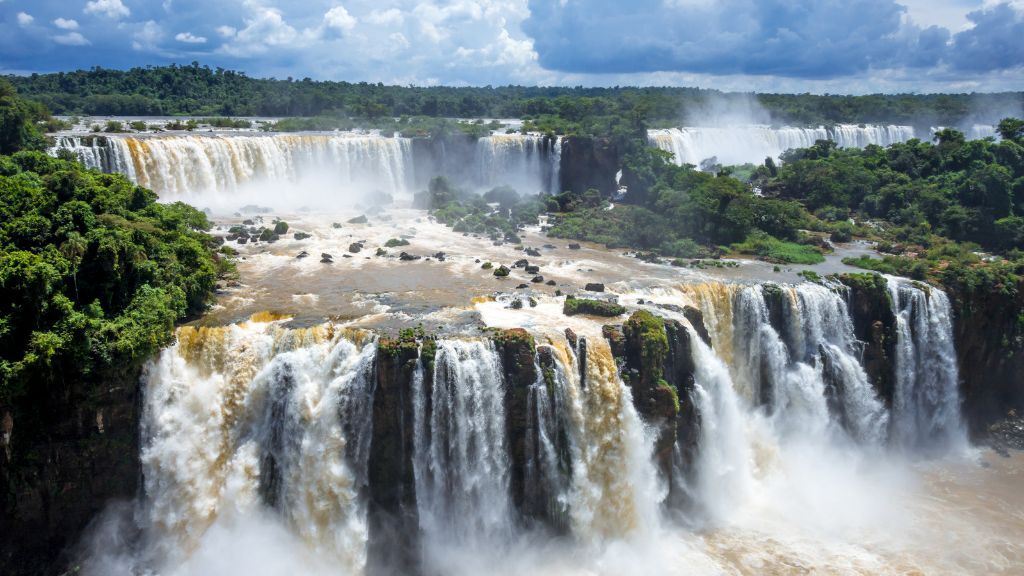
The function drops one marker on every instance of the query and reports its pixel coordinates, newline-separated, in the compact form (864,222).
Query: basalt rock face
(60,463)
(874,324)
(392,511)
(589,163)
(990,351)
(517,352)
(656,362)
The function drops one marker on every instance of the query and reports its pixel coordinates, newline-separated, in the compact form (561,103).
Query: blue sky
(835,46)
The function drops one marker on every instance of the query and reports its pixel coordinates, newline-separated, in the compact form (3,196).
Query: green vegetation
(202,91)
(649,330)
(395,242)
(93,273)
(473,214)
(771,249)
(575,306)
(19,121)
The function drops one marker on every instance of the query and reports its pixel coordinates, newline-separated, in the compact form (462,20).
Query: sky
(819,46)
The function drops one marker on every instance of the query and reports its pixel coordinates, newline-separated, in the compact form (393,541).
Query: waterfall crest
(754,143)
(180,166)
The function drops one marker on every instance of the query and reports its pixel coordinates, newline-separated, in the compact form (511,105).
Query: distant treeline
(201,90)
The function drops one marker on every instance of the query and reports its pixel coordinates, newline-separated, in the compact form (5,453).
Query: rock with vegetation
(590,307)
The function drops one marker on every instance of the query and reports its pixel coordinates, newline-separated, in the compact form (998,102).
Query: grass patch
(772,249)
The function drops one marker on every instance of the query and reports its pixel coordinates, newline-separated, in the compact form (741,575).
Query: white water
(348,165)
(462,470)
(926,401)
(753,143)
(256,440)
(180,167)
(526,162)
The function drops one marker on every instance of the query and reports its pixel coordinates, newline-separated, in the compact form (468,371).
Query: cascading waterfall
(462,469)
(250,414)
(926,400)
(754,143)
(256,423)
(527,162)
(177,166)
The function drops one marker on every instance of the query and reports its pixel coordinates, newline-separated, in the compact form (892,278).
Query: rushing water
(754,143)
(257,433)
(188,166)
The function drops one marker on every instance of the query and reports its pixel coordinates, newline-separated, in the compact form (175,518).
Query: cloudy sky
(837,46)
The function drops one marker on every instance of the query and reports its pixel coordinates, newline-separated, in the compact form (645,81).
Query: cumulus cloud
(148,37)
(264,28)
(25,19)
(339,19)
(389,17)
(72,39)
(994,42)
(798,38)
(226,31)
(109,8)
(66,24)
(189,38)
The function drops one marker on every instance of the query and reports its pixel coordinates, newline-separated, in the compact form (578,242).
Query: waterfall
(794,353)
(926,400)
(462,470)
(250,414)
(753,143)
(179,166)
(527,162)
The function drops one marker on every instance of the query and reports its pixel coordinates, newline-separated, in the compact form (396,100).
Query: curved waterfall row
(179,166)
(426,450)
(754,143)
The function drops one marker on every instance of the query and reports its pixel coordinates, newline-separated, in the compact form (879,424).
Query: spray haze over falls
(277,445)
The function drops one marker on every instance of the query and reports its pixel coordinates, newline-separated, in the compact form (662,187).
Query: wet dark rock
(355,247)
(521,263)
(381,252)
(574,246)
(302,254)
(516,304)
(532,252)
(301,235)
(346,255)
(243,239)
(532,269)
(502,271)
(549,247)
(522,286)
(550,283)
(594,287)
(358,220)
(537,279)
(406,257)
(571,337)
(441,256)
(335,225)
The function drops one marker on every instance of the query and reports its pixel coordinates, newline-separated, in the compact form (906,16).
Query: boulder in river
(594,287)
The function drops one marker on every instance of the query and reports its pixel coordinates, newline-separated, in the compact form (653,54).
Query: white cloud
(264,29)
(72,39)
(66,23)
(189,38)
(389,17)
(148,37)
(25,19)
(226,31)
(108,8)
(339,19)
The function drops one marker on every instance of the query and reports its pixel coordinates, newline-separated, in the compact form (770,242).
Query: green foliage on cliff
(649,331)
(93,273)
(498,214)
